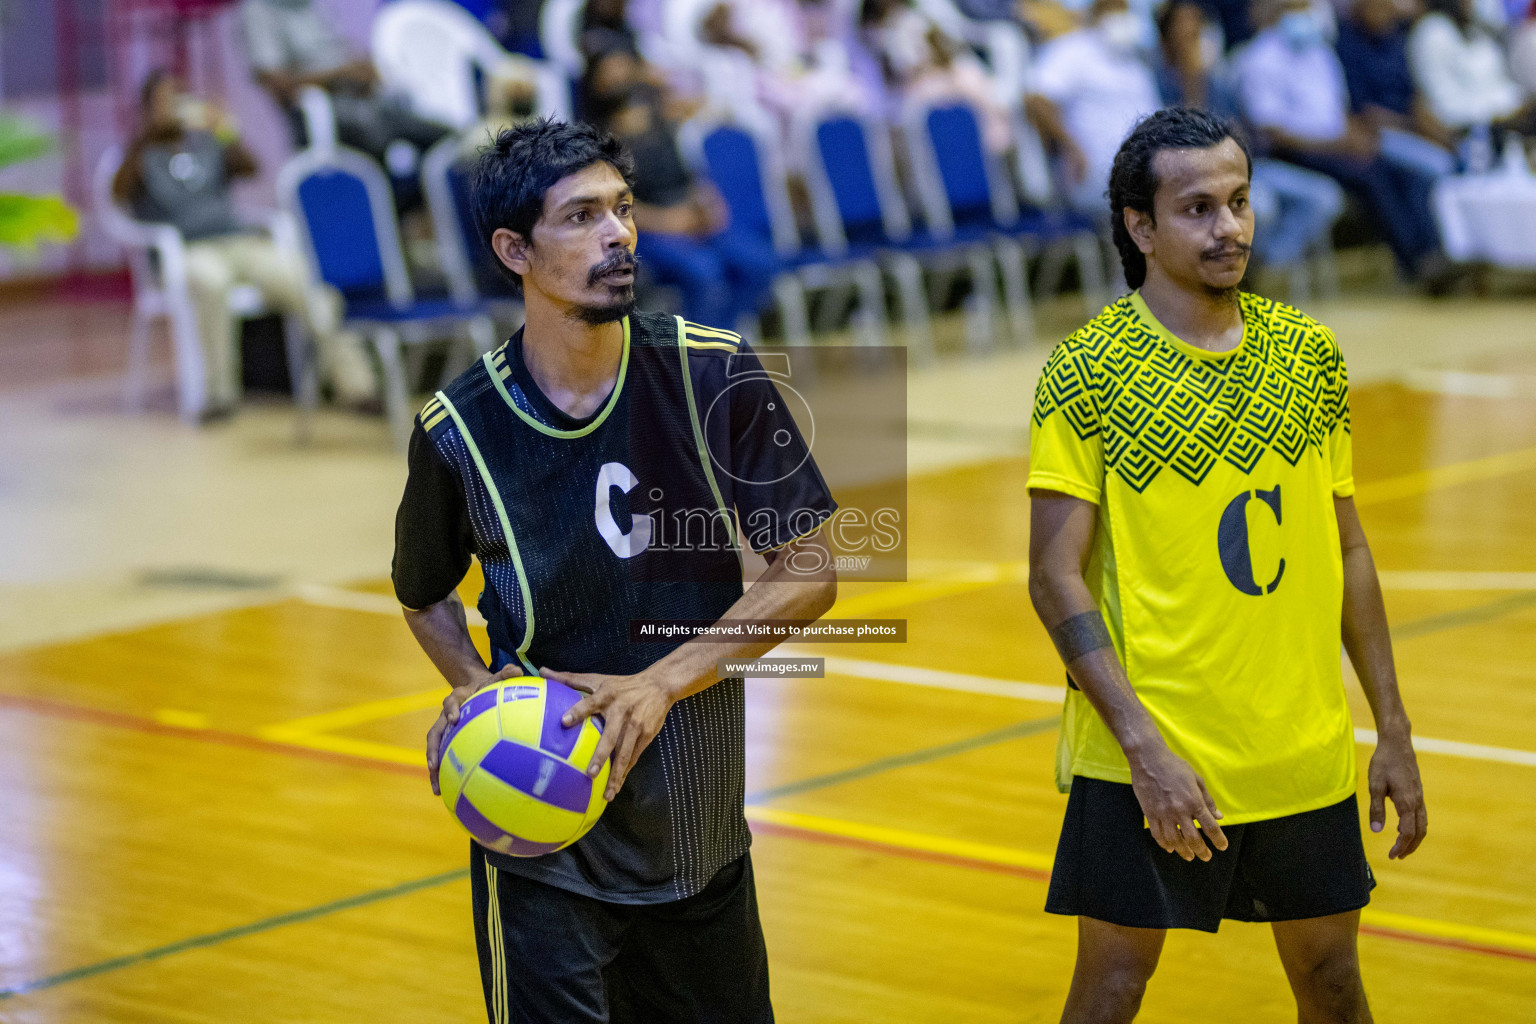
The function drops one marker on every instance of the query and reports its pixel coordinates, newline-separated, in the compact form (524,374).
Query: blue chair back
(852,178)
(340,221)
(346,213)
(962,162)
(731,156)
(844,152)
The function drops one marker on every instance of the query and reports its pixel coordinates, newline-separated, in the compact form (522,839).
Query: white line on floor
(914,675)
(1430,580)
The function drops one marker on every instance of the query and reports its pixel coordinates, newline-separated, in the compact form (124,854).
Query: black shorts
(548,956)
(1110,868)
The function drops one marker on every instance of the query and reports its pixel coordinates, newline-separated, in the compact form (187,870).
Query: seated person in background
(785,49)
(920,62)
(177,171)
(1293,93)
(1373,48)
(290,45)
(1087,90)
(1294,209)
(1460,67)
(724,275)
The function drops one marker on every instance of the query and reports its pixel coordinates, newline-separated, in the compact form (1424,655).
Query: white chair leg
(981,304)
(191,370)
(908,274)
(303,375)
(789,295)
(136,379)
(870,320)
(397,402)
(1014,267)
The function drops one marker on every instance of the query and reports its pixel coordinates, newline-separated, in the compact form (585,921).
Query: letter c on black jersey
(1232,542)
(625,545)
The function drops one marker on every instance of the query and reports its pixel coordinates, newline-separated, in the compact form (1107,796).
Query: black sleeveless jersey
(633,515)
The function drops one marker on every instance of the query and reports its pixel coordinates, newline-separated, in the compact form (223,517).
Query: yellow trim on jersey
(711,344)
(700,331)
(698,435)
(613,399)
(506,530)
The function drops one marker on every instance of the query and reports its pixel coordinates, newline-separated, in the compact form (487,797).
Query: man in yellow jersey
(1196,556)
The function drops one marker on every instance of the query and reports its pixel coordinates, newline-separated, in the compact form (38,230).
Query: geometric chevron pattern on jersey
(1158,407)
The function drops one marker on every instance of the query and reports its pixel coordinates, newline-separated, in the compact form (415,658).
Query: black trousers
(548,956)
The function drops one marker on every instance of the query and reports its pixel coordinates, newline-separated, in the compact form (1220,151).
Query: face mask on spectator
(1301,29)
(1212,44)
(1123,31)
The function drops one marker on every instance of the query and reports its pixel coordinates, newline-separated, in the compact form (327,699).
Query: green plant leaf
(27,220)
(19,141)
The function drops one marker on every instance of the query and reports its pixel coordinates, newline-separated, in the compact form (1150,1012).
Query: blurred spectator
(1373,47)
(1294,209)
(177,171)
(786,49)
(685,234)
(291,45)
(1293,93)
(1522,50)
(1088,89)
(1460,68)
(514,23)
(921,62)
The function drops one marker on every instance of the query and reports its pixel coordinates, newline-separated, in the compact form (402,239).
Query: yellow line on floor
(1412,484)
(1470,933)
(359,714)
(1007,856)
(901,838)
(333,744)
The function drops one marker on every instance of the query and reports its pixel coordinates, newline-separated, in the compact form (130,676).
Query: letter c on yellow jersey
(1232,542)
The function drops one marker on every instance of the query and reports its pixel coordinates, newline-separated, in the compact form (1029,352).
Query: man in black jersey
(598,465)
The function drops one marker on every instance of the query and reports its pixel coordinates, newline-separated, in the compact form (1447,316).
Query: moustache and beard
(1217,252)
(623,301)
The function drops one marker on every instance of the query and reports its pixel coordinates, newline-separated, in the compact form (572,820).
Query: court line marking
(1018,730)
(1472,616)
(1409,485)
(883,839)
(987,856)
(237,932)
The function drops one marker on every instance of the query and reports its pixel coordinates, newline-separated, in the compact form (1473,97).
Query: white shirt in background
(1465,81)
(1298,91)
(1101,93)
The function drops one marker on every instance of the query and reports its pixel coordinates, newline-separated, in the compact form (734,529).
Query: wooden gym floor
(211,801)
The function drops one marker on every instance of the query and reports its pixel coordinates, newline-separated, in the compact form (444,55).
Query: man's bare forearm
(443,633)
(1367,638)
(779,593)
(1076,627)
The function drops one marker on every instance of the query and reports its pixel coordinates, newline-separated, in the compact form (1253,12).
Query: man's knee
(1123,985)
(1332,988)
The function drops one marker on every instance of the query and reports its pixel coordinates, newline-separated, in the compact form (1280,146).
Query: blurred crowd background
(803,166)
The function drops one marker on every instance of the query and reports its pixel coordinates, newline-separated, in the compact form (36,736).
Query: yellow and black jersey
(1216,560)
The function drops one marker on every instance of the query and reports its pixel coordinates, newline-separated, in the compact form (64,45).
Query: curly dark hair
(1133,182)
(522,163)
